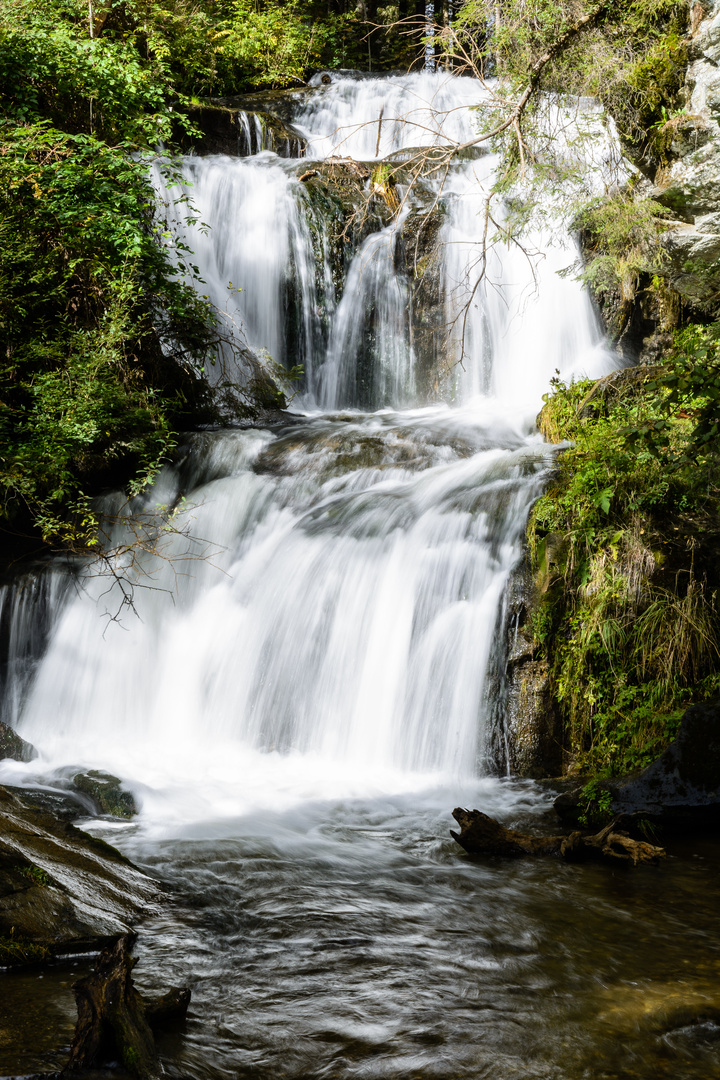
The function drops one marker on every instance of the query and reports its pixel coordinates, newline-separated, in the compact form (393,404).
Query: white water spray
(333,632)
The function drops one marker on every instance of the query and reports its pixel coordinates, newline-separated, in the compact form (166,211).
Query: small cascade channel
(302,684)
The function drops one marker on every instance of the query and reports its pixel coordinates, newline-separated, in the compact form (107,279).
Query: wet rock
(106,792)
(64,803)
(682,786)
(12,746)
(532,722)
(62,890)
(661,1006)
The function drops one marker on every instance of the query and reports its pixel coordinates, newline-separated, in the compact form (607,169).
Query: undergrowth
(626,546)
(15,951)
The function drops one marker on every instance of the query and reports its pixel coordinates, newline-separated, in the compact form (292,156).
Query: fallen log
(483,835)
(114,1022)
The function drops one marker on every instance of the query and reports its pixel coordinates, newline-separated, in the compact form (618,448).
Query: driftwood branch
(483,835)
(114,1021)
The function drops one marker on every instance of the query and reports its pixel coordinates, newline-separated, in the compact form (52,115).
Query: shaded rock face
(421,252)
(242,132)
(348,201)
(60,889)
(686,775)
(12,746)
(532,725)
(682,785)
(690,187)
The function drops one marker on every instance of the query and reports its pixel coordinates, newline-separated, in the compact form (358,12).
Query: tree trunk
(430,35)
(113,1020)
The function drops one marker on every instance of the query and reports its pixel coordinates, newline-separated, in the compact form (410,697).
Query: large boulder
(682,786)
(61,890)
(686,776)
(106,792)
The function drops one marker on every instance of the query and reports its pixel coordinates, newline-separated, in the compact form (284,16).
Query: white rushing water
(324,623)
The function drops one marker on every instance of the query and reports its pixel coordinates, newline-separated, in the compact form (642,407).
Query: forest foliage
(104,343)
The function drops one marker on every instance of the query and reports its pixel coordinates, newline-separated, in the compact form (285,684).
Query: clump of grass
(37,875)
(16,951)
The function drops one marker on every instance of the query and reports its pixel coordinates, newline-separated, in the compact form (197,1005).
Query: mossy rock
(106,792)
(12,746)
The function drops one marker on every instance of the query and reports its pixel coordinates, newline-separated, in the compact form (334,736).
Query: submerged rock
(12,746)
(61,890)
(683,785)
(107,793)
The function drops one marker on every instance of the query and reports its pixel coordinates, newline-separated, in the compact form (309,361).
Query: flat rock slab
(61,889)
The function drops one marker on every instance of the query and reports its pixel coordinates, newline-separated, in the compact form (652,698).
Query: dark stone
(683,785)
(686,775)
(12,746)
(106,792)
(170,1008)
(282,104)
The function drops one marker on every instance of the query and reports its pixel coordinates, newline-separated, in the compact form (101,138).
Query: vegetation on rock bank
(626,545)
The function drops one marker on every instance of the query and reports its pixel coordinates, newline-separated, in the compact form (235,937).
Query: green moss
(37,875)
(619,240)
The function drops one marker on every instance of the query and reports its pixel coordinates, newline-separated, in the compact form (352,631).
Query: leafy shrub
(101,340)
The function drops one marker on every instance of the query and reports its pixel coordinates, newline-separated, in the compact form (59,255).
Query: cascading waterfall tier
(322,617)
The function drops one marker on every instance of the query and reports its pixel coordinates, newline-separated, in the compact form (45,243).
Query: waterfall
(322,618)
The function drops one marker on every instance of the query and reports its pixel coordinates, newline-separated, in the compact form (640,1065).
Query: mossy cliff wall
(615,626)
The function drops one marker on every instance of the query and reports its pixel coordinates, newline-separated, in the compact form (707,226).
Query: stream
(302,676)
